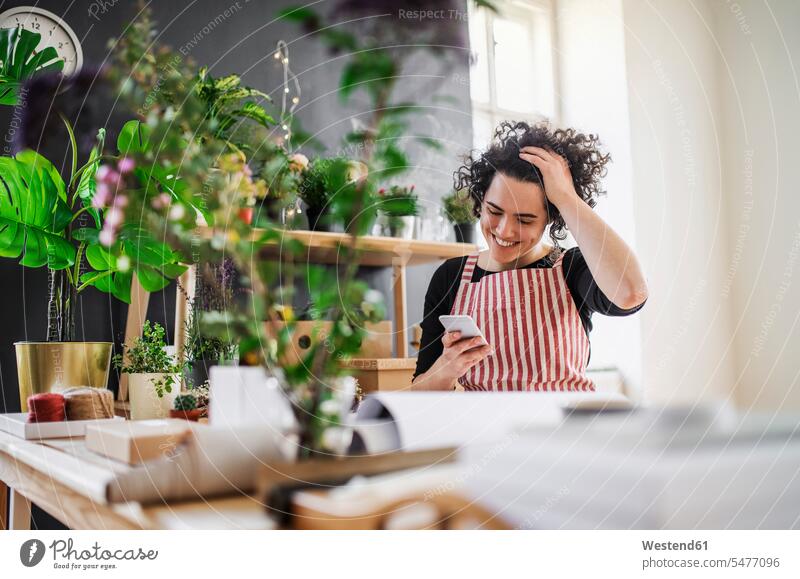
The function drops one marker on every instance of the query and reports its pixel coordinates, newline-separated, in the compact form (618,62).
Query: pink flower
(101,196)
(114,217)
(106,174)
(161,201)
(120,201)
(126,165)
(102,173)
(298,162)
(106,237)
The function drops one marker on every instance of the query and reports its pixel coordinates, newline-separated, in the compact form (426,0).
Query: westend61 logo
(65,556)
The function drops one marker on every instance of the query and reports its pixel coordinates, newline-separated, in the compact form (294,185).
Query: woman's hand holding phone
(459,355)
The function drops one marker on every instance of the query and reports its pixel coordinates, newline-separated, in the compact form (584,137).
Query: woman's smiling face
(513,217)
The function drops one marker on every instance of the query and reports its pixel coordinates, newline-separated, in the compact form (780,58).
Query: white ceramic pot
(145,403)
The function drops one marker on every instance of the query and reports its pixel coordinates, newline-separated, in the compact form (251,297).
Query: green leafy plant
(200,173)
(185,402)
(20,60)
(65,224)
(148,355)
(318,187)
(398,201)
(459,208)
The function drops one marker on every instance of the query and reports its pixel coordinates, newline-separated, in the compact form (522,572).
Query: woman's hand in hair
(558,185)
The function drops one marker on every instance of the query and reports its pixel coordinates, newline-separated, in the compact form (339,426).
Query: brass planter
(54,366)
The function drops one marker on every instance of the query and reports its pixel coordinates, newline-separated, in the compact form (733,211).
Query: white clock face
(54,32)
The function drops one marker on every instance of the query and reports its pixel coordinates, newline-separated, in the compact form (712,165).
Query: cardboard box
(137,441)
(381,374)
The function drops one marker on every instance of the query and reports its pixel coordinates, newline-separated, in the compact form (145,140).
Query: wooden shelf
(324,247)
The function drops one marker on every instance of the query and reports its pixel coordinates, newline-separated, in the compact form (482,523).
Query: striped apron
(529,317)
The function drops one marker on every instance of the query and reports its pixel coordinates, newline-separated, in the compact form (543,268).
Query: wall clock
(53,30)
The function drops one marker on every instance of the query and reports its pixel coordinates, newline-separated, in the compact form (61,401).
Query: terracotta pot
(191,415)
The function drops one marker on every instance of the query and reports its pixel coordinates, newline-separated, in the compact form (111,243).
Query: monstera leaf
(20,60)
(33,212)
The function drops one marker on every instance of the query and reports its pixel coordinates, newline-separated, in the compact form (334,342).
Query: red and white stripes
(529,316)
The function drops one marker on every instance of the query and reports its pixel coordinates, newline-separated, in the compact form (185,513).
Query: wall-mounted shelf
(322,248)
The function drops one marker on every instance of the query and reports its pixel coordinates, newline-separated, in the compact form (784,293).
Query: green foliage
(322,180)
(34,214)
(148,355)
(458,207)
(398,201)
(19,60)
(154,262)
(227,104)
(185,402)
(133,138)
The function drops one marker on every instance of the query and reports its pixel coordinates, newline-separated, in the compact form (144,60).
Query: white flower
(329,407)
(177,212)
(356,171)
(123,263)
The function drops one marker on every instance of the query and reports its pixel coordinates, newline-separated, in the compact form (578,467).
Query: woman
(532,299)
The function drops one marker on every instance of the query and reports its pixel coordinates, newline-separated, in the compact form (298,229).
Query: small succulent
(185,402)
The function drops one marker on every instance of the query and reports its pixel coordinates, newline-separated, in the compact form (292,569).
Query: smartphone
(464,324)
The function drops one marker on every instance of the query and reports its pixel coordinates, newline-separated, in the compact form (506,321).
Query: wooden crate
(377,343)
(382,374)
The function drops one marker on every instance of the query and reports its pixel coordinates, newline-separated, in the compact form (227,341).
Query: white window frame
(529,11)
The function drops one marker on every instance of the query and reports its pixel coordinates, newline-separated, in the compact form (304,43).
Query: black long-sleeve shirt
(444,284)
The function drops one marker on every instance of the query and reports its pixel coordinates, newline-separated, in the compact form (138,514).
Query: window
(512,72)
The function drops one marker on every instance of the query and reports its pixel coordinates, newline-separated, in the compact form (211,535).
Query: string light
(289,82)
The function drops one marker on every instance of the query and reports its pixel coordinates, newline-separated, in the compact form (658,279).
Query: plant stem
(90,281)
(73,144)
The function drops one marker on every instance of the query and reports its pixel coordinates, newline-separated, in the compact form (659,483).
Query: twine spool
(84,403)
(46,407)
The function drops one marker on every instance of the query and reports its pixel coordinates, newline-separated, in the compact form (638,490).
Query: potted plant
(185,407)
(76,228)
(154,375)
(459,209)
(323,180)
(398,207)
(213,292)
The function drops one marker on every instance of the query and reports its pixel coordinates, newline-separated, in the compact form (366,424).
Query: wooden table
(72,489)
(68,481)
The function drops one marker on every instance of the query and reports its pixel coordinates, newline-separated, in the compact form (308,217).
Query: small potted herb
(459,209)
(154,375)
(185,407)
(398,208)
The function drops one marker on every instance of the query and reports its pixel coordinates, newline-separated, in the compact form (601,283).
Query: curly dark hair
(586,162)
